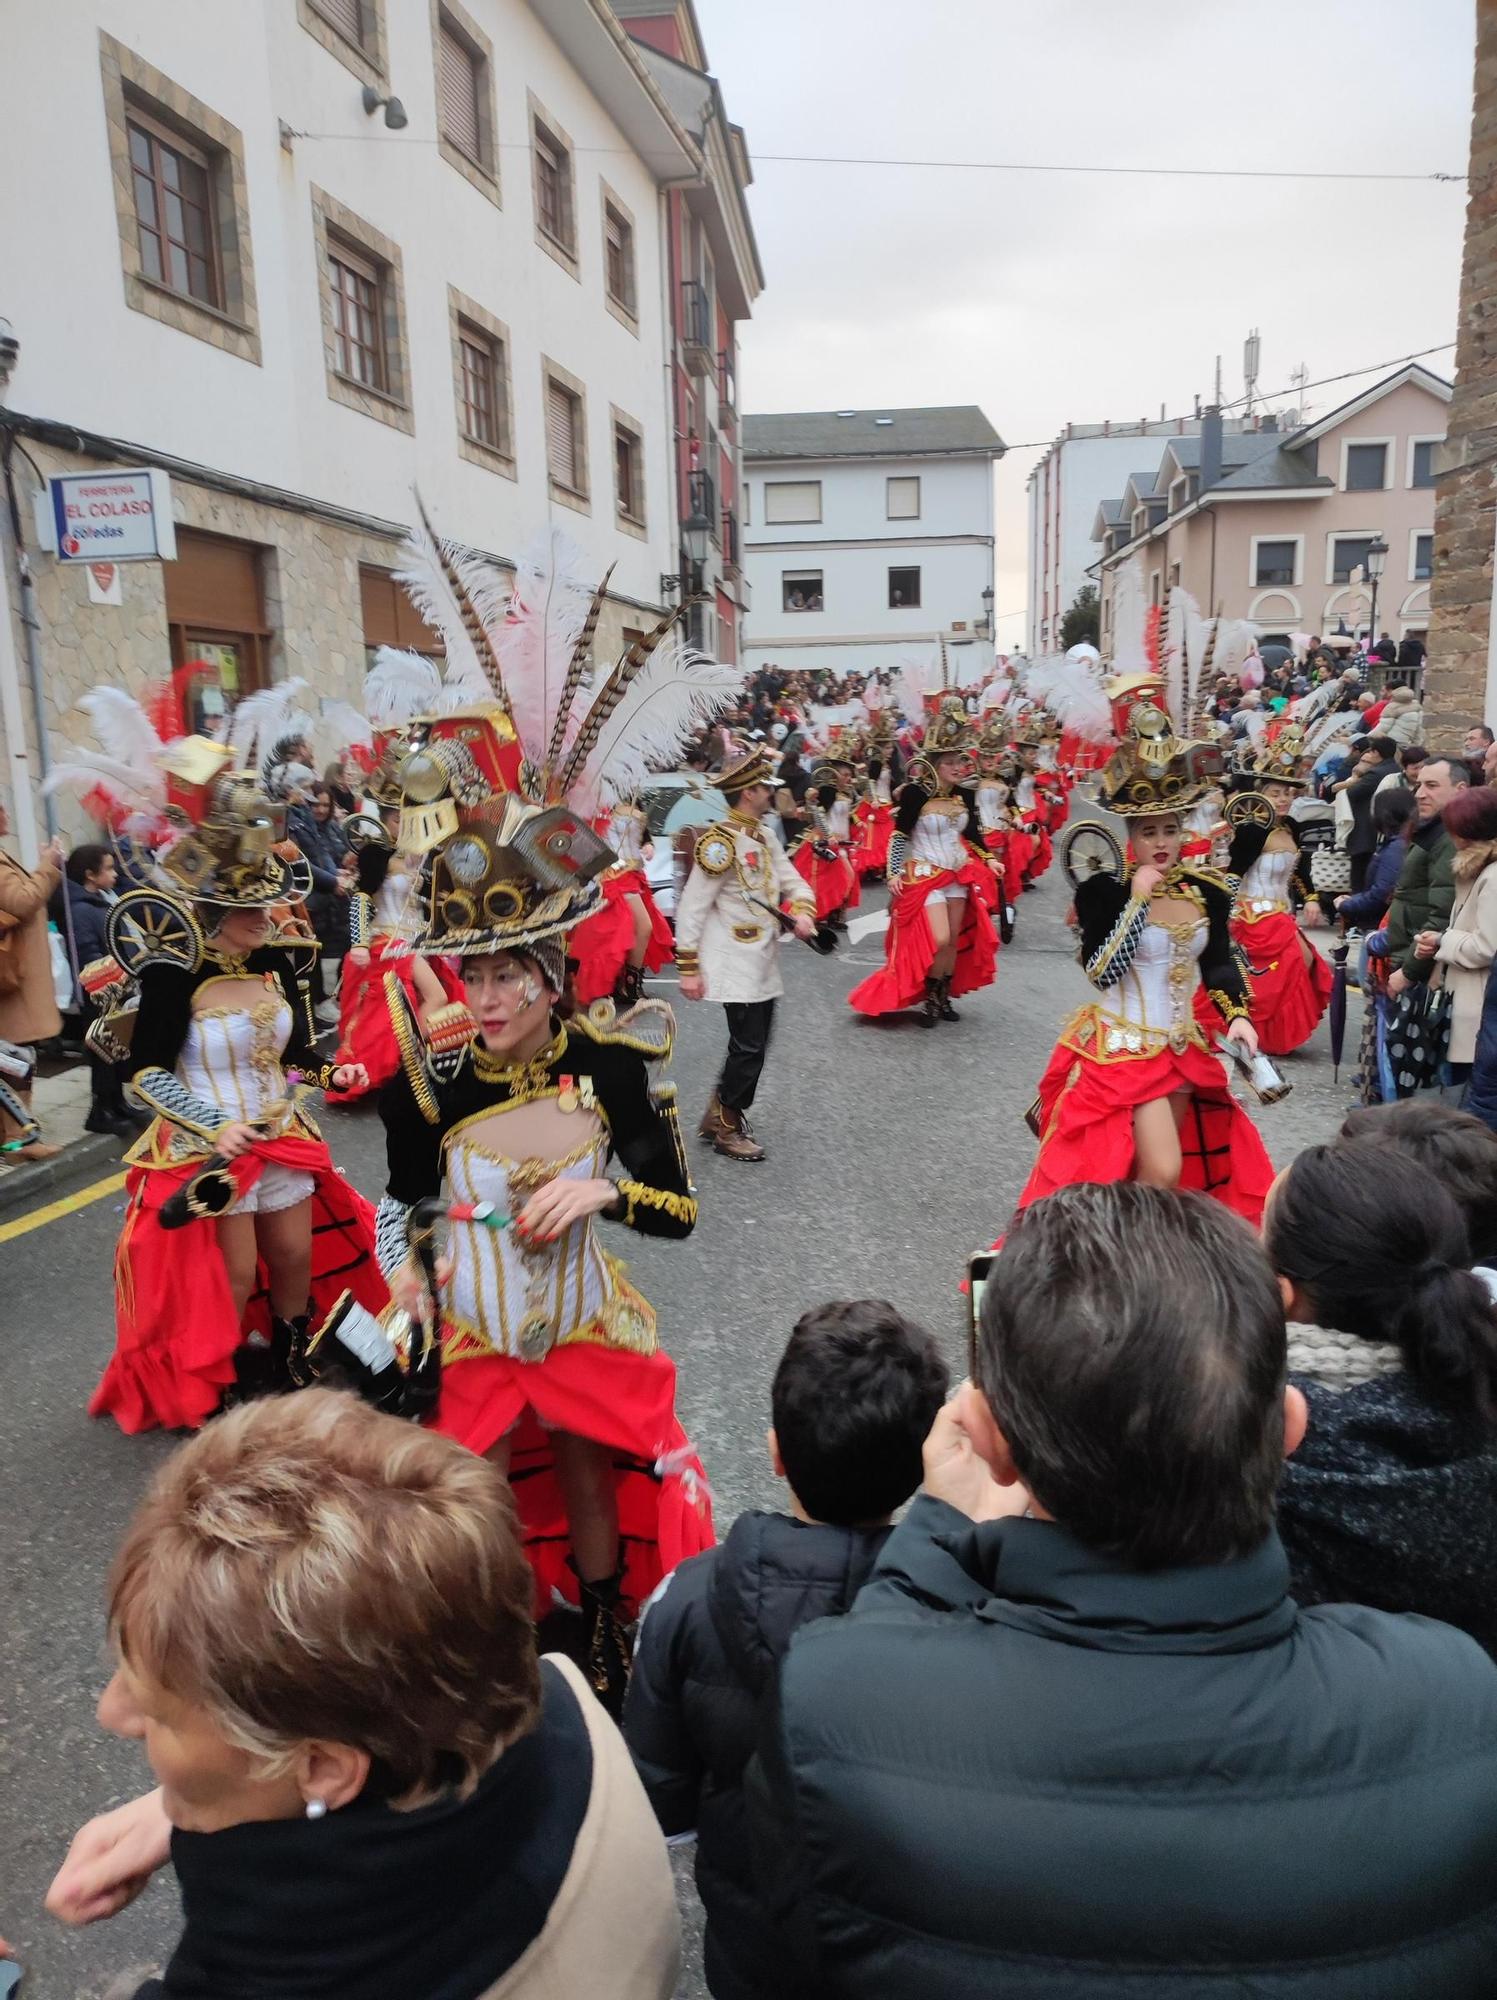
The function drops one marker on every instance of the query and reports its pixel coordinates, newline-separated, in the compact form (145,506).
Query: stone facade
(312,605)
(1459,681)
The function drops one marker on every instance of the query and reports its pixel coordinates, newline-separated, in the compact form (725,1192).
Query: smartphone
(10,1977)
(978,1266)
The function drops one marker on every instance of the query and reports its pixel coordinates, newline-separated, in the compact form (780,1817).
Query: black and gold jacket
(1111,920)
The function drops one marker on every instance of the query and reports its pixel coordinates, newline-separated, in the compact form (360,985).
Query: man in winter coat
(88,883)
(855,1393)
(1426,887)
(28,1006)
(1378,762)
(1075,1737)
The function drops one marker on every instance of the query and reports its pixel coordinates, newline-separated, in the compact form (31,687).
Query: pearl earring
(316,1808)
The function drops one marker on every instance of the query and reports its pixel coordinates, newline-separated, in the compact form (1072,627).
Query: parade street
(894,1151)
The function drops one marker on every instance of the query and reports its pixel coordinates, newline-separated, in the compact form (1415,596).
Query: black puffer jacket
(707,1655)
(1018,1769)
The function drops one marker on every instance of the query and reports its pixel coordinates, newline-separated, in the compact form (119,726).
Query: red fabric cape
(624,1400)
(175,1331)
(1086,1118)
(910,947)
(875,828)
(601,945)
(365,1034)
(1287,991)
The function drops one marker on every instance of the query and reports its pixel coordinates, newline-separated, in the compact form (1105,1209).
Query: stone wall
(1460,639)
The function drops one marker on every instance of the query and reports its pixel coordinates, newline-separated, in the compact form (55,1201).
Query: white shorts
(954,892)
(278,1187)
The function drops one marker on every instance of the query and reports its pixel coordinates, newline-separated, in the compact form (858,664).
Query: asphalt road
(894,1151)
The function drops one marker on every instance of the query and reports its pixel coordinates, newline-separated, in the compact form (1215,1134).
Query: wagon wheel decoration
(301,884)
(1250,809)
(1088,850)
(146,927)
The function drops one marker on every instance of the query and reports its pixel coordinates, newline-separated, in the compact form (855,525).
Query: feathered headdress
(1072,691)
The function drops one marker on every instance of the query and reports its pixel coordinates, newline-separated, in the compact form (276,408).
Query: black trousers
(750,1023)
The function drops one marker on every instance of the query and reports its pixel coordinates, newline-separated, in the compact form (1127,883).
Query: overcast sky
(1055,298)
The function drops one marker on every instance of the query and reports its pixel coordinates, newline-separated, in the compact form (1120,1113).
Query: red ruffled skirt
(1289,983)
(601,945)
(175,1330)
(1012,848)
(365,1032)
(875,829)
(1056,806)
(615,1397)
(1087,1104)
(834,883)
(911,946)
(1044,848)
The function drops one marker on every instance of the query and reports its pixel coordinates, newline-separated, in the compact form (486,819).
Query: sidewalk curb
(94,1153)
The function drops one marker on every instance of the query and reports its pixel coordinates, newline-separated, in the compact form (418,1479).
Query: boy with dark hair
(855,1393)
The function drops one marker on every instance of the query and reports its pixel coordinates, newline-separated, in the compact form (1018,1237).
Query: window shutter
(457,92)
(347,16)
(561,435)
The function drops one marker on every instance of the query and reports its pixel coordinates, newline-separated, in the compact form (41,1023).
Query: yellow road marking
(54,1210)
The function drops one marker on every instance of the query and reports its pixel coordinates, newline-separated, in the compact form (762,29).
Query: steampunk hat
(753,768)
(995,735)
(1152,771)
(225,854)
(949,732)
(1284,761)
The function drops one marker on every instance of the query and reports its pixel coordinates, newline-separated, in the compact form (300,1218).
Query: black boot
(931,1005)
(288,1351)
(608,1641)
(943,994)
(630,987)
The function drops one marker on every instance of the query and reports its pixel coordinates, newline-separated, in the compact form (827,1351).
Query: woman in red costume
(270,1232)
(1134,1090)
(823,858)
(628,937)
(943,886)
(1289,983)
(873,816)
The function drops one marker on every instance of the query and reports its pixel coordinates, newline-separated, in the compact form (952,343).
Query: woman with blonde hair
(368,1783)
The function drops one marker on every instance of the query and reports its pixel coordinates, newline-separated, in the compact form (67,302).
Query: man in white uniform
(728,941)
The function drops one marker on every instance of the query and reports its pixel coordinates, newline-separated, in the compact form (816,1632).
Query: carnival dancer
(1031,807)
(629,936)
(551,1358)
(873,816)
(1001,834)
(728,942)
(387,879)
(1289,984)
(1052,783)
(1133,1090)
(208,1005)
(942,884)
(822,858)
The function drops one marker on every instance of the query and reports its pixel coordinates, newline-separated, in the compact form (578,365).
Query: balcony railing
(696,326)
(701,502)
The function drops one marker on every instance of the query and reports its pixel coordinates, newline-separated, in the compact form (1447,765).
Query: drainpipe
(12,716)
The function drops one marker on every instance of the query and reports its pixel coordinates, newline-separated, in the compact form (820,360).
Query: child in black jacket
(855,1393)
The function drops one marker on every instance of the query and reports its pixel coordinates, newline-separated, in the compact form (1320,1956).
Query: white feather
(1173,661)
(1072,692)
(260,721)
(434,597)
(546,612)
(122,727)
(674,695)
(339,726)
(399,686)
(132,784)
(1129,616)
(1198,630)
(1235,639)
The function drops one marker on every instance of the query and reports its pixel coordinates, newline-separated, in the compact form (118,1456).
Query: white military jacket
(733,943)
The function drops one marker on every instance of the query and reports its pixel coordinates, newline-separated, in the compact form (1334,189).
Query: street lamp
(1376,557)
(987,610)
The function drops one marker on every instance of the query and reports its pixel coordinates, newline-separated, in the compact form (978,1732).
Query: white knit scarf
(1339,1360)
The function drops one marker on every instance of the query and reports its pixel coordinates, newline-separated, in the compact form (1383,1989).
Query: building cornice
(871,542)
(590,34)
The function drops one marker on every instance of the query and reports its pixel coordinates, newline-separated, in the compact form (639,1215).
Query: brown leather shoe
(712,1119)
(734,1140)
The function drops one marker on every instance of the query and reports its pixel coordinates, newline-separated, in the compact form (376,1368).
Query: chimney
(1211,446)
(1270,420)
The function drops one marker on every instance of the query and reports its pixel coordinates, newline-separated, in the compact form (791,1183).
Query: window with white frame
(1422,461)
(902,498)
(1275,560)
(800,589)
(1348,553)
(789,500)
(1421,557)
(1364,466)
(566,436)
(904,589)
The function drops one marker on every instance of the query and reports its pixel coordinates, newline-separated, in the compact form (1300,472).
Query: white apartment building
(1087,464)
(868,534)
(303,301)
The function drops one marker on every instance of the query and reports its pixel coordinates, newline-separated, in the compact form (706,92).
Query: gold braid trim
(687,961)
(680,1207)
(412,1060)
(1230,1010)
(665,1104)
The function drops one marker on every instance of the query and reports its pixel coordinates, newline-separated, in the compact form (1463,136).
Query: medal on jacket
(566,1094)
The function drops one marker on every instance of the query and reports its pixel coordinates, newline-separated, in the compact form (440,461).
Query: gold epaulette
(648,1027)
(1212,878)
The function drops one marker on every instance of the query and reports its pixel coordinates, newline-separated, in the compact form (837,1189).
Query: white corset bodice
(1267,881)
(1024,797)
(1157,991)
(232,1058)
(839,819)
(394,894)
(883,790)
(992,801)
(519,1299)
(937,838)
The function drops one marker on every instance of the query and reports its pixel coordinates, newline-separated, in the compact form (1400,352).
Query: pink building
(1274,526)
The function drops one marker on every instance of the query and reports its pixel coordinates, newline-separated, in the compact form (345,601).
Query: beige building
(1274,526)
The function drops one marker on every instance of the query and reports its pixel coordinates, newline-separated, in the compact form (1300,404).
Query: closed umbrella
(1337,1012)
